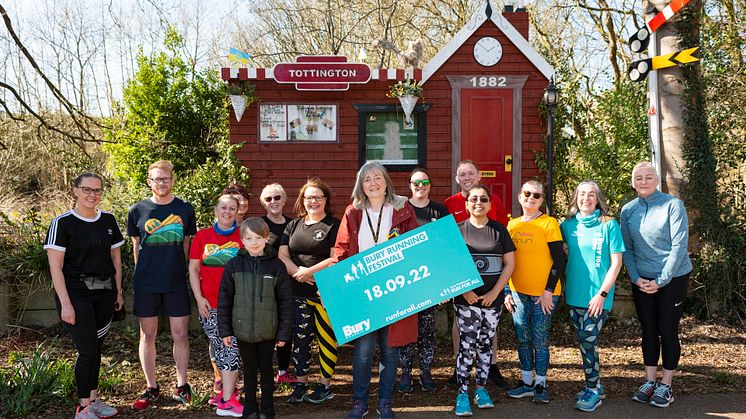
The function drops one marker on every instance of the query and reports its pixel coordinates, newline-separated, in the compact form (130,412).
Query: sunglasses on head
(482,198)
(423,182)
(272,198)
(536,195)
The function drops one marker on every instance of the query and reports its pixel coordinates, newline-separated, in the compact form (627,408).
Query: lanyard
(378,227)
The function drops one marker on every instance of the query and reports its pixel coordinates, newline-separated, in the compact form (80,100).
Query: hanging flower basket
(408,92)
(241,96)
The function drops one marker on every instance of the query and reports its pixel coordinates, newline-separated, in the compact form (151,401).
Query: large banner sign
(396,279)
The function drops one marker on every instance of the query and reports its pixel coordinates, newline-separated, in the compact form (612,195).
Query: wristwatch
(604,294)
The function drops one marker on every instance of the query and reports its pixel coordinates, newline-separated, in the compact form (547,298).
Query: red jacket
(403,331)
(456,205)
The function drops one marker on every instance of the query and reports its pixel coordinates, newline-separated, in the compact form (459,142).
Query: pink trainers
(230,408)
(216,400)
(287,378)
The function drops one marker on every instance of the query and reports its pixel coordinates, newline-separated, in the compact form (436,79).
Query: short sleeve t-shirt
(161,266)
(87,243)
(532,258)
(213,250)
(487,246)
(275,231)
(589,250)
(429,213)
(308,245)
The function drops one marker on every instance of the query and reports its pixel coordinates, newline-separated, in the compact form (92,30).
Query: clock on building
(488,51)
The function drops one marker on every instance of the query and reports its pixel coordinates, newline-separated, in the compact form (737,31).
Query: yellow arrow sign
(670,60)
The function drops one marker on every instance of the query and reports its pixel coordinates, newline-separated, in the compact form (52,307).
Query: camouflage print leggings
(477,327)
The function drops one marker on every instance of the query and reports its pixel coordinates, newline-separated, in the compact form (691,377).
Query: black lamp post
(551,95)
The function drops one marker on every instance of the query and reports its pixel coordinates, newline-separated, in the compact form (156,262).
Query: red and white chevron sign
(640,40)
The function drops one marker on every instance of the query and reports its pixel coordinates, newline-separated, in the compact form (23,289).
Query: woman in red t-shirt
(211,248)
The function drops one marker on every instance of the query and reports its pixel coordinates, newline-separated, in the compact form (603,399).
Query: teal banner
(396,279)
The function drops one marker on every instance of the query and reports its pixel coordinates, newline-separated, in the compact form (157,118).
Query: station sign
(322,72)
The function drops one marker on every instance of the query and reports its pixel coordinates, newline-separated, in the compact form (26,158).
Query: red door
(487,137)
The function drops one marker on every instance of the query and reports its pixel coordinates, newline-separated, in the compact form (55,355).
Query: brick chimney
(517,17)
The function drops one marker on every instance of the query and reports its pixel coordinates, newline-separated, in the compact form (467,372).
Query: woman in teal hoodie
(656,232)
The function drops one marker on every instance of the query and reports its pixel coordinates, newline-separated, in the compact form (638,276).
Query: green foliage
(608,137)
(171,112)
(32,383)
(715,153)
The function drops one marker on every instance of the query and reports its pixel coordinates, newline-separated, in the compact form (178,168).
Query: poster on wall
(297,122)
(390,140)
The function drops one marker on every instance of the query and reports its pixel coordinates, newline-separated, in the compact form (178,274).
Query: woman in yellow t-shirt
(534,289)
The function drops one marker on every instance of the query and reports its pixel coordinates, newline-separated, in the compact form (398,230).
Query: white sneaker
(85,413)
(101,409)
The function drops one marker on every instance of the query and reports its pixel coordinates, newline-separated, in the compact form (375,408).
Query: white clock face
(488,51)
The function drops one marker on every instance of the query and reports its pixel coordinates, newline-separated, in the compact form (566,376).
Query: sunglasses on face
(423,182)
(272,198)
(536,195)
(482,198)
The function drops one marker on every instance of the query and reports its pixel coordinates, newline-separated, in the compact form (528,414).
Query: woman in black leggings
(656,233)
(83,247)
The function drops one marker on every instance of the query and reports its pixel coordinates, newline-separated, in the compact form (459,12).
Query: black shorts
(170,304)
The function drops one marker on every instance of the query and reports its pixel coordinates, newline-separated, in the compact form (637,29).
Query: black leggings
(257,357)
(93,313)
(659,315)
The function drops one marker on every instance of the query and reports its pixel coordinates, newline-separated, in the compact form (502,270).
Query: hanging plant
(241,95)
(408,92)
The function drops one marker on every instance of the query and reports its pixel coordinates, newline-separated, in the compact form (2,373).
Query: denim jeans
(532,332)
(362,365)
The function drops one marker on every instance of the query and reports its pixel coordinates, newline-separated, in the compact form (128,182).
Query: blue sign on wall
(396,279)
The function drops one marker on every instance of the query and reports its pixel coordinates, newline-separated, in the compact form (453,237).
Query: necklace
(535,216)
(370,224)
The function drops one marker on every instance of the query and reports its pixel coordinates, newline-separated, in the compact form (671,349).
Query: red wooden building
(481,100)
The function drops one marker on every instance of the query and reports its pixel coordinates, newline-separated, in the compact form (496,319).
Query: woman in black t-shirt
(425,211)
(306,248)
(478,311)
(83,247)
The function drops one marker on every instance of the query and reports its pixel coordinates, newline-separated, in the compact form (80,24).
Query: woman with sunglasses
(478,311)
(211,248)
(242,195)
(306,248)
(655,228)
(594,258)
(376,214)
(273,200)
(425,211)
(83,248)
(534,289)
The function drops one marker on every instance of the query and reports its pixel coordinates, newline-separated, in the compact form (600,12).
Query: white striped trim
(252,72)
(104,330)
(115,245)
(50,244)
(54,247)
(234,73)
(391,73)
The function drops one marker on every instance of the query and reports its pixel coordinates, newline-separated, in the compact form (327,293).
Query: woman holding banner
(594,258)
(375,215)
(534,289)
(425,211)
(306,248)
(478,311)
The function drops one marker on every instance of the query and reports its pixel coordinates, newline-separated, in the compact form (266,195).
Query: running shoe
(645,392)
(231,408)
(663,396)
(426,382)
(405,384)
(482,399)
(541,395)
(182,394)
(589,401)
(287,378)
(215,400)
(149,396)
(359,410)
(85,413)
(521,390)
(384,409)
(319,394)
(101,409)
(463,408)
(599,388)
(299,393)
(497,378)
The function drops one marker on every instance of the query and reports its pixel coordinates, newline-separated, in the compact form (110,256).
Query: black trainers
(663,396)
(319,394)
(645,393)
(182,394)
(497,378)
(299,393)
(146,398)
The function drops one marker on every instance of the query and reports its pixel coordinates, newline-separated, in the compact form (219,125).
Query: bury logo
(319,235)
(357,328)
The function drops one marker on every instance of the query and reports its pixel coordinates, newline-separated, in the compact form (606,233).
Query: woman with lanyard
(375,215)
(534,289)
(273,200)
(83,248)
(211,248)
(594,258)
(306,248)
(478,310)
(656,233)
(425,211)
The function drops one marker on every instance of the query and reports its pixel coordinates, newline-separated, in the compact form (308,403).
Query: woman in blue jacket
(656,233)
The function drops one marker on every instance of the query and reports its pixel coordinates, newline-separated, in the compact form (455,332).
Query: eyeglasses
(423,182)
(160,179)
(482,198)
(86,190)
(318,198)
(536,195)
(273,198)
